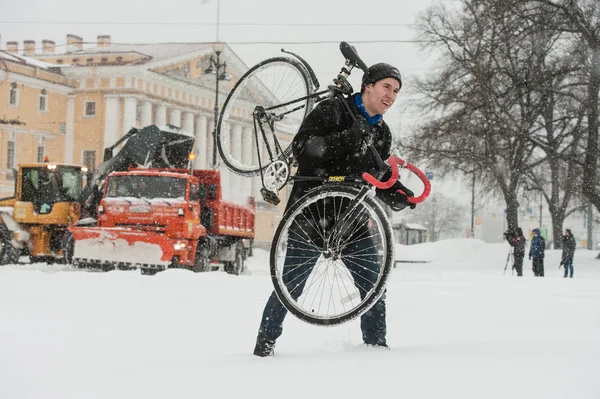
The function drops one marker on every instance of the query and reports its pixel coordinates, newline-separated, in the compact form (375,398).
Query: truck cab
(34,221)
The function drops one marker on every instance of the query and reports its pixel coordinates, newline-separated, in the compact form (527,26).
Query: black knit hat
(380,71)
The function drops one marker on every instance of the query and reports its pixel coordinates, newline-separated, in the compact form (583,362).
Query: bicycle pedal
(270,196)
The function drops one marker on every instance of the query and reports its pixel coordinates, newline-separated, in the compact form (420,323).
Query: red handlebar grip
(394,161)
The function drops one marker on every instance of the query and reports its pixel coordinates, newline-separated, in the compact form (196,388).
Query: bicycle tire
(285,79)
(342,305)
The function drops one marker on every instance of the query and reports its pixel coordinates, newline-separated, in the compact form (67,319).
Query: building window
(10,155)
(90,108)
(41,150)
(89,160)
(13,97)
(43,104)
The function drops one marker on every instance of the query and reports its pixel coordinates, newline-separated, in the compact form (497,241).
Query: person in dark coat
(517,241)
(331,142)
(536,252)
(568,252)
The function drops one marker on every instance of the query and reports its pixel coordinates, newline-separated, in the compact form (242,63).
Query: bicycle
(313,258)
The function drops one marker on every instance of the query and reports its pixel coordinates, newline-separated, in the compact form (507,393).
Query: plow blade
(121,247)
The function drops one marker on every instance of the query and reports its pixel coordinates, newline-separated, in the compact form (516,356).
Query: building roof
(21,59)
(414,226)
(157,52)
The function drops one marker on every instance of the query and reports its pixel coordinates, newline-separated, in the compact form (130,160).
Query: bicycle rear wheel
(262,113)
(330,265)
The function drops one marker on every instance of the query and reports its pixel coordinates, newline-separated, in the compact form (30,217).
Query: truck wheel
(200,264)
(237,266)
(8,253)
(68,247)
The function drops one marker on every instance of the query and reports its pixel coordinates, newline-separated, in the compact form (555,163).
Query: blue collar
(361,107)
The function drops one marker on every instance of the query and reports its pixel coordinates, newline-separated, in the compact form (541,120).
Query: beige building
(71,105)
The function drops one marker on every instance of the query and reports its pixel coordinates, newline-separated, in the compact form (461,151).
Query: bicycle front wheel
(330,261)
(262,113)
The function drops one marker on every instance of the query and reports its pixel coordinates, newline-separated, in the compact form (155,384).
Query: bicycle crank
(276,175)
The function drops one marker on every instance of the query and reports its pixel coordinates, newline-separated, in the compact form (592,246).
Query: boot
(378,343)
(264,348)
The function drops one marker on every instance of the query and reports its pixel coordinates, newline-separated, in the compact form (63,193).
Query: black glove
(403,193)
(396,197)
(352,137)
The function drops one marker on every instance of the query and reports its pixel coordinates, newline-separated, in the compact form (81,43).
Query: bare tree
(582,17)
(504,101)
(486,94)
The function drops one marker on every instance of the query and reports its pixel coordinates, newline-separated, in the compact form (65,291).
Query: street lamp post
(473,206)
(541,206)
(217,68)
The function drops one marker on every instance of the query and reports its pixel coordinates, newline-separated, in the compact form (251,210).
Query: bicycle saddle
(349,52)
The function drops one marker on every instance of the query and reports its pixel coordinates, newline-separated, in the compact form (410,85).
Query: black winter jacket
(569,246)
(518,242)
(320,150)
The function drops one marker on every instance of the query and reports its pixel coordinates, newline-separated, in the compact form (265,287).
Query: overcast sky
(380,30)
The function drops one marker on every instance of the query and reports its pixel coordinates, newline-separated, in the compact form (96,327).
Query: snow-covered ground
(457,327)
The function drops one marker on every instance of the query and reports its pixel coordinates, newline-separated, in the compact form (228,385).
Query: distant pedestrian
(536,253)
(568,252)
(517,240)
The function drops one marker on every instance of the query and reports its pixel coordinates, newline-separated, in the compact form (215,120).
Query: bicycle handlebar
(396,162)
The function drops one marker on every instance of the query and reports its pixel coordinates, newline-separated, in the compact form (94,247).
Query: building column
(256,180)
(175,117)
(235,147)
(210,143)
(247,150)
(111,120)
(225,172)
(129,114)
(146,114)
(188,123)
(69,130)
(160,118)
(201,140)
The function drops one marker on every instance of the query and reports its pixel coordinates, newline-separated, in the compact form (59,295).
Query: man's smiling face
(380,96)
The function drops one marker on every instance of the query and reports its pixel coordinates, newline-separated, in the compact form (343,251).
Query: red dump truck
(154,219)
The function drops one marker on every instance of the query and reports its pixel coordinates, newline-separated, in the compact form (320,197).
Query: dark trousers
(538,267)
(518,266)
(568,265)
(299,262)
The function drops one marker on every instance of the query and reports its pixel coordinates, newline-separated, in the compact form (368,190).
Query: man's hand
(407,194)
(400,198)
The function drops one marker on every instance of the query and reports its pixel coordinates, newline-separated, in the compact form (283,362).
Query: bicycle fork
(348,218)
(261,118)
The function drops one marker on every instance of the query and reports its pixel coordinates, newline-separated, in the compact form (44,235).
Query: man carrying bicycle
(331,142)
